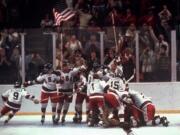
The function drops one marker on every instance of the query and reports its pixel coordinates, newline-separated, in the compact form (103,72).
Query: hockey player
(49,79)
(13,100)
(143,113)
(114,99)
(80,87)
(96,90)
(65,90)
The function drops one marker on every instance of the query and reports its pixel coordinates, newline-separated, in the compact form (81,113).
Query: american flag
(63,16)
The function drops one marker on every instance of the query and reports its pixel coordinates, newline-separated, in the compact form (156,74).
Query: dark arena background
(141,36)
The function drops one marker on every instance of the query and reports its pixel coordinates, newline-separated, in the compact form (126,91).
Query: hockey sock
(59,108)
(53,111)
(9,117)
(43,110)
(65,109)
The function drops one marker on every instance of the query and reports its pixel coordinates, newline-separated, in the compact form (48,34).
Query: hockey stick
(114,31)
(131,77)
(137,108)
(55,97)
(133,106)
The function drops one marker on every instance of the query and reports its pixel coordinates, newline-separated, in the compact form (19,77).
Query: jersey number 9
(15,95)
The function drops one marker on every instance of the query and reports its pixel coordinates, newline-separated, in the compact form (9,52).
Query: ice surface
(30,125)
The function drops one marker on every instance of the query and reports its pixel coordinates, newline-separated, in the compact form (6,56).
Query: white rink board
(166,96)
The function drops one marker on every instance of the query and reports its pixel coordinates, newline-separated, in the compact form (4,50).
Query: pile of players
(113,103)
(109,100)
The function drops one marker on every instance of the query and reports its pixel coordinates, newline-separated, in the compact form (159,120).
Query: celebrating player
(81,95)
(65,90)
(96,90)
(143,113)
(13,100)
(114,99)
(49,79)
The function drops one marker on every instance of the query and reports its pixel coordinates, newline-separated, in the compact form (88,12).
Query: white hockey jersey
(66,82)
(138,98)
(96,86)
(14,97)
(49,81)
(117,86)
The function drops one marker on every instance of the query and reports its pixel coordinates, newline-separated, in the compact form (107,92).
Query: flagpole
(60,17)
(114,31)
(61,49)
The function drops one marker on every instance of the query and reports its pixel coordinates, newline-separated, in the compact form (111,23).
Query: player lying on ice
(142,111)
(139,111)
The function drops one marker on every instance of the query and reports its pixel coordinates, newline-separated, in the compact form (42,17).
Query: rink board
(164,95)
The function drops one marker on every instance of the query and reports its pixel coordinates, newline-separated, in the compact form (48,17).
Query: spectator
(131,31)
(128,63)
(93,27)
(93,59)
(147,60)
(34,63)
(165,20)
(73,44)
(149,18)
(15,59)
(118,18)
(110,55)
(165,14)
(58,58)
(69,3)
(15,56)
(84,18)
(99,11)
(128,40)
(159,42)
(46,22)
(129,18)
(77,59)
(92,45)
(12,40)
(163,65)
(145,37)
(4,62)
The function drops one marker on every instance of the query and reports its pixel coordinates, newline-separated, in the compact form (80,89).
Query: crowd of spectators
(154,23)
(9,55)
(11,59)
(153,19)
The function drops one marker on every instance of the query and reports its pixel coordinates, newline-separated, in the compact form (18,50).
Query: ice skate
(164,121)
(42,120)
